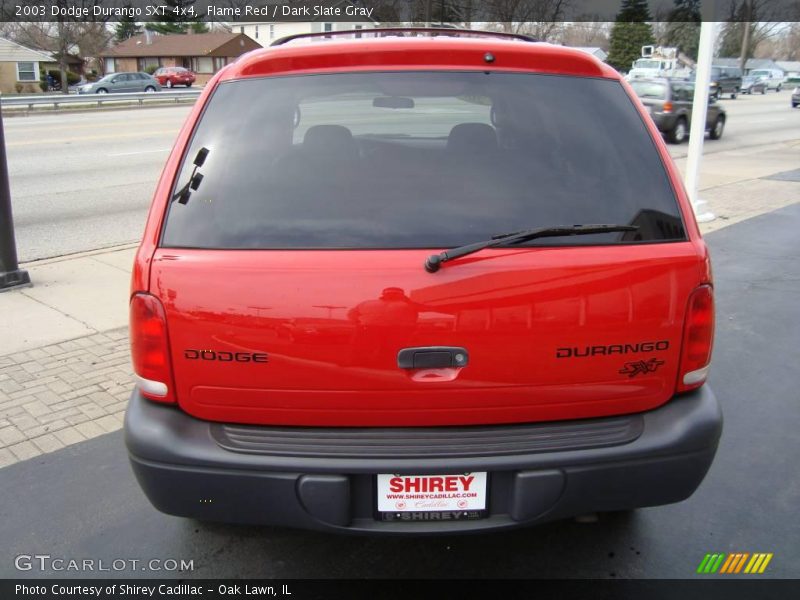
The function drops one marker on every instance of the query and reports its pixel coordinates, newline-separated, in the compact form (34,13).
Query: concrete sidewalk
(64,368)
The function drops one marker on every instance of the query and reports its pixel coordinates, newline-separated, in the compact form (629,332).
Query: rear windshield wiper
(434,261)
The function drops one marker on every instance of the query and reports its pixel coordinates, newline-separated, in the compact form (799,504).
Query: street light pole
(11,276)
(697,131)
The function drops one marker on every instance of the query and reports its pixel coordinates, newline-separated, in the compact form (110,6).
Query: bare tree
(591,33)
(62,37)
(539,18)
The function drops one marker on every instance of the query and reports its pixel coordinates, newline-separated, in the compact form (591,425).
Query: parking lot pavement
(82,501)
(60,383)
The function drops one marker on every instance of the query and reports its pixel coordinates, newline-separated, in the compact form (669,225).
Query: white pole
(697,131)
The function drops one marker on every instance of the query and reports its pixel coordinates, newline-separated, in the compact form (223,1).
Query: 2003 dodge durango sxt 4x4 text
(419,282)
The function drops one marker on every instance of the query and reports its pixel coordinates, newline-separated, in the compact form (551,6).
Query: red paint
(175,76)
(512,308)
(448,483)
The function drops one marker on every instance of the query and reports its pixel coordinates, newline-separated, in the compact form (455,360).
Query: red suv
(171,76)
(421,282)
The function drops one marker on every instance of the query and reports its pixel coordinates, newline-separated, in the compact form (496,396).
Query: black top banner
(456,12)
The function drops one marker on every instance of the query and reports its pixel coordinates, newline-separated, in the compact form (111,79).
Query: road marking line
(87,138)
(140,152)
(772,120)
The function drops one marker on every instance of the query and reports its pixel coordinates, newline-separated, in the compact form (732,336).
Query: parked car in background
(670,104)
(171,76)
(117,83)
(416,285)
(725,80)
(796,97)
(753,85)
(772,77)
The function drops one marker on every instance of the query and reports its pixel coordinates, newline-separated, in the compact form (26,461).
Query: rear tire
(149,89)
(719,126)
(778,89)
(763,91)
(102,91)
(733,94)
(677,135)
(188,85)
(169,83)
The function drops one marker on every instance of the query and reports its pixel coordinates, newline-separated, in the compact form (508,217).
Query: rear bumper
(184,470)
(664,121)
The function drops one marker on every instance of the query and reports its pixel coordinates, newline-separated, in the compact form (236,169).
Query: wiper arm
(434,261)
(183,194)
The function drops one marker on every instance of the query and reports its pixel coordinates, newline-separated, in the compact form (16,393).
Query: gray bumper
(185,471)
(664,121)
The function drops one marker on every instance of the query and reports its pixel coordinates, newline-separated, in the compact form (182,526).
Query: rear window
(418,160)
(648,89)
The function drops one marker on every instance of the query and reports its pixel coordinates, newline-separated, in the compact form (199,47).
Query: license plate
(432,497)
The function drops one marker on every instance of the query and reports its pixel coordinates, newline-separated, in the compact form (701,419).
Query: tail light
(698,339)
(152,366)
(667,108)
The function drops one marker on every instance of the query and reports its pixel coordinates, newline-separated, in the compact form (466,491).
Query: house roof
(194,44)
(752,63)
(594,51)
(13,52)
(788,65)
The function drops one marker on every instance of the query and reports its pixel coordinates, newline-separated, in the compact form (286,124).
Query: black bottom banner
(352,589)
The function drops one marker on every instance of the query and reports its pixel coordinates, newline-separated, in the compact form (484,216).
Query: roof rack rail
(407,32)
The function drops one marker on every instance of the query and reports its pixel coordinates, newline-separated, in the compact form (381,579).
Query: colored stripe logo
(737,562)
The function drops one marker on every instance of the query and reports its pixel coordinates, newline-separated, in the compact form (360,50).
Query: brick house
(203,53)
(19,68)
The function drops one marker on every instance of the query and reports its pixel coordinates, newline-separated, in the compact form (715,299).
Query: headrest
(334,139)
(472,138)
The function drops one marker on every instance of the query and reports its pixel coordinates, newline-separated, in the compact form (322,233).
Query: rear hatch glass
(649,90)
(418,160)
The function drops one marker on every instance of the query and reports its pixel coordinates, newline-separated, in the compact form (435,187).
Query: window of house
(256,31)
(241,29)
(27,71)
(203,64)
(327,27)
(148,61)
(359,28)
(272,32)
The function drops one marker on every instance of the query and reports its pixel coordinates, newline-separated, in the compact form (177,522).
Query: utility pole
(11,276)
(697,131)
(748,8)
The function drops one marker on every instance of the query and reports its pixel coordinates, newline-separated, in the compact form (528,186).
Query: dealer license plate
(432,497)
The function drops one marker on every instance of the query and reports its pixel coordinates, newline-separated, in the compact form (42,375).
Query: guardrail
(97,99)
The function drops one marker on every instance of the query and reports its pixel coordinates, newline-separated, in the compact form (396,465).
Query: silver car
(116,83)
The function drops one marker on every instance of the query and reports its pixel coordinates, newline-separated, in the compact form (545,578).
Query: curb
(82,254)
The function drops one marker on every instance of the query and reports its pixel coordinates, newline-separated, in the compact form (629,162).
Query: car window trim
(330,71)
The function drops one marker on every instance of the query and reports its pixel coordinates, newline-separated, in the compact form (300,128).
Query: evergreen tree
(126,28)
(180,15)
(631,31)
(683,27)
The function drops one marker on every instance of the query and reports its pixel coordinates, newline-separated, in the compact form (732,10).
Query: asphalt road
(83,502)
(83,181)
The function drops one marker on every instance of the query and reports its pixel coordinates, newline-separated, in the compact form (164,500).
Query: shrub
(72,78)
(150,69)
